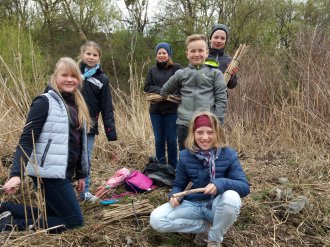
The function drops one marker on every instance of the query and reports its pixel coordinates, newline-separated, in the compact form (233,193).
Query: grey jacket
(202,88)
(50,156)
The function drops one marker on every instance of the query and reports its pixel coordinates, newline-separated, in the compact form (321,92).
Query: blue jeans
(195,217)
(62,207)
(182,131)
(90,146)
(165,134)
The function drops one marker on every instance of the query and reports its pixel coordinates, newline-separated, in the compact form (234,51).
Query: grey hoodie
(202,88)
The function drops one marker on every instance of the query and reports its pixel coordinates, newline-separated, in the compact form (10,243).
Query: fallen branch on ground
(126,210)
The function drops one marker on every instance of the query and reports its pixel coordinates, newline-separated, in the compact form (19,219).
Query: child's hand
(234,71)
(174,202)
(81,185)
(12,185)
(211,189)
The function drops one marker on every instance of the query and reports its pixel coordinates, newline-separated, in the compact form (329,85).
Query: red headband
(201,121)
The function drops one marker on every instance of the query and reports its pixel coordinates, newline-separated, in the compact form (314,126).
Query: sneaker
(201,239)
(89,197)
(6,220)
(213,244)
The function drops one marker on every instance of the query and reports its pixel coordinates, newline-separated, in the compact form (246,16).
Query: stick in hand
(188,187)
(188,192)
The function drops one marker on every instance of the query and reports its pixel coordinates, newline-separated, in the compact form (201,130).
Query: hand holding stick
(188,192)
(241,51)
(188,187)
(154,97)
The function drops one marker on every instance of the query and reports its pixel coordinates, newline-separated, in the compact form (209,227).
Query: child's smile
(204,137)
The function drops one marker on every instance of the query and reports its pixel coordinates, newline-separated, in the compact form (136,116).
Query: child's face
(66,81)
(197,52)
(162,55)
(90,56)
(204,137)
(218,39)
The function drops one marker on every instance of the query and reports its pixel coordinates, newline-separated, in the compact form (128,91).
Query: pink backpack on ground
(117,179)
(138,182)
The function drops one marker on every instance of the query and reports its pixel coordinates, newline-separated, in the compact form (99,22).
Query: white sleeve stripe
(96,82)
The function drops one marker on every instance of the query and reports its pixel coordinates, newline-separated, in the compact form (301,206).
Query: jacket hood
(211,62)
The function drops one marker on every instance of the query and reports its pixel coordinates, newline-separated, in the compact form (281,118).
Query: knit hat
(220,27)
(202,121)
(165,46)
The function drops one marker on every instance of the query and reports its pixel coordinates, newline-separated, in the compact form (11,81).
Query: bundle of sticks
(134,209)
(241,51)
(154,98)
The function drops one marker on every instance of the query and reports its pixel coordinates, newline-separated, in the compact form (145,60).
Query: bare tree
(49,9)
(15,11)
(138,14)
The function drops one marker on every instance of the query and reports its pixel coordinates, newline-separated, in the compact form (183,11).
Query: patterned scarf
(208,157)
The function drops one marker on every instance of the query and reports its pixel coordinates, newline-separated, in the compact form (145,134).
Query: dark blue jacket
(97,94)
(156,78)
(229,174)
(224,60)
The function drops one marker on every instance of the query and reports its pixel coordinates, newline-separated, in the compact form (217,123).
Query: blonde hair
(70,65)
(220,138)
(196,37)
(170,62)
(93,44)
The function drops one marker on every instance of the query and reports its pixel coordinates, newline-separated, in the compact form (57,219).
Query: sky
(152,8)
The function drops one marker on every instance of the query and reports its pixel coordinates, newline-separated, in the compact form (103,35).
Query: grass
(280,131)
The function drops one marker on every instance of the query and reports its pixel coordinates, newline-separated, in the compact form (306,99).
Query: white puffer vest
(49,158)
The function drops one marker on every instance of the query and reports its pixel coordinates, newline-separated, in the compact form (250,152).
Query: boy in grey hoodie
(201,84)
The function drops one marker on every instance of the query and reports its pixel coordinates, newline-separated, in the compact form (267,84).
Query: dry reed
(278,120)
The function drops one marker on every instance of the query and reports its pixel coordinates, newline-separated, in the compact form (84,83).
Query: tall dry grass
(277,118)
(284,101)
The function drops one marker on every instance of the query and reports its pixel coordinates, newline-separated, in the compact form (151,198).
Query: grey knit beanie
(220,27)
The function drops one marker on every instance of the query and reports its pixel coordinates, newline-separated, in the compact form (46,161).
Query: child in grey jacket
(201,84)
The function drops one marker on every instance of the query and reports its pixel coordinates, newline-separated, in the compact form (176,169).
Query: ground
(265,218)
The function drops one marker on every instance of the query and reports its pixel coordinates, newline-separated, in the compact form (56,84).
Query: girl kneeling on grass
(208,164)
(53,146)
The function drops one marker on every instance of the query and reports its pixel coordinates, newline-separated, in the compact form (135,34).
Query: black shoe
(6,221)
(152,159)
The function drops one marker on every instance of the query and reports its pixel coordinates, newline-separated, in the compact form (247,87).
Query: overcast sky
(152,8)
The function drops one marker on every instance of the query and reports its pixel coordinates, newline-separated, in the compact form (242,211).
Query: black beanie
(220,27)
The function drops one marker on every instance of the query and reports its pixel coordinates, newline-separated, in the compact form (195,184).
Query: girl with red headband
(208,163)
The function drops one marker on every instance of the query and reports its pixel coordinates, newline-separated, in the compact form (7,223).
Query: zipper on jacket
(45,152)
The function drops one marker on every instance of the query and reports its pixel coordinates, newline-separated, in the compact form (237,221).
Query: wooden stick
(125,211)
(241,51)
(174,99)
(188,187)
(188,192)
